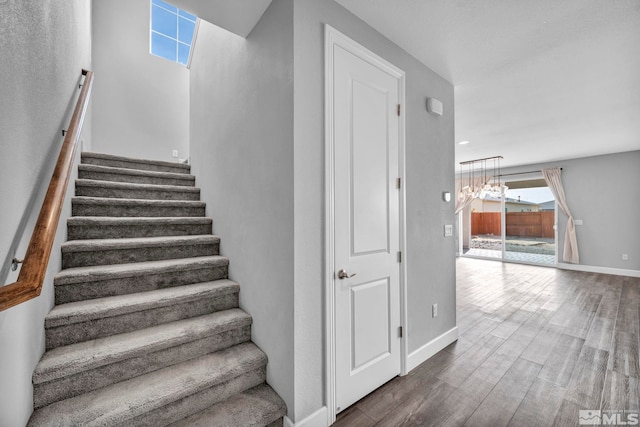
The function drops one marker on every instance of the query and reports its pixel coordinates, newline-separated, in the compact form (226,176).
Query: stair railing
(36,259)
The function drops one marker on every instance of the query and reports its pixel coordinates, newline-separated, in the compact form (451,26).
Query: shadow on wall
(37,194)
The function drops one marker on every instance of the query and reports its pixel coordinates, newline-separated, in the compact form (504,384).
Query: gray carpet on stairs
(146,330)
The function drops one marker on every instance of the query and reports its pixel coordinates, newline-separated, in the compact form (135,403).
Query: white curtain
(462,184)
(554,181)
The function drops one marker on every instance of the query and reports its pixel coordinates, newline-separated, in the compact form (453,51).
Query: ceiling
(535,81)
(237,16)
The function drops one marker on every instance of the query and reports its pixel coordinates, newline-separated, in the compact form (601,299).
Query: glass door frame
(462,227)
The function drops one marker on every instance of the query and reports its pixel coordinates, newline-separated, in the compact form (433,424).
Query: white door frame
(335,38)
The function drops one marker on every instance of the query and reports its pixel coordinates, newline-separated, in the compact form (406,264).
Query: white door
(366,226)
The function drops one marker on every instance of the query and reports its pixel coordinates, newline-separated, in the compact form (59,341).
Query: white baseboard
(603,270)
(317,419)
(432,347)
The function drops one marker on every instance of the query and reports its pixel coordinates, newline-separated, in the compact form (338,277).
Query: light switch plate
(448,230)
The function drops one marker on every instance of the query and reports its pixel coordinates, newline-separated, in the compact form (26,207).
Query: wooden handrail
(34,267)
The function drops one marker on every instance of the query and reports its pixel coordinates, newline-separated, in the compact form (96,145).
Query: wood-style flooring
(536,345)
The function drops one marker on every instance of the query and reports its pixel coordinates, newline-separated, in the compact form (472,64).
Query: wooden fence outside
(486,223)
(521,224)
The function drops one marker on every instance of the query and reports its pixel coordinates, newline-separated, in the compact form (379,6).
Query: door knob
(342,274)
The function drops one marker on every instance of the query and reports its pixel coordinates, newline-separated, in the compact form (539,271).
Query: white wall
(429,171)
(44,44)
(603,192)
(242,156)
(141,101)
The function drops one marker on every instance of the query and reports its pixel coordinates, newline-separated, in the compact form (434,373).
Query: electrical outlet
(434,310)
(577,222)
(625,257)
(174,153)
(448,230)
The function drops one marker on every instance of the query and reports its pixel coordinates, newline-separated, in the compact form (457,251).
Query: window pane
(187,15)
(165,5)
(164,22)
(183,53)
(185,30)
(163,46)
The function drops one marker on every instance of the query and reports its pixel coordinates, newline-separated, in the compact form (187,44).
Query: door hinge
(398,110)
(399,256)
(400,331)
(398,183)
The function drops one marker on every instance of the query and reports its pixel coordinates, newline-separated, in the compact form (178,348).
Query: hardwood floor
(536,345)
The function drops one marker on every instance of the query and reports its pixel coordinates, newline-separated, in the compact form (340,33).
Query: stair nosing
(96,183)
(80,221)
(86,310)
(103,156)
(96,273)
(93,354)
(123,201)
(87,167)
(156,389)
(97,245)
(248,398)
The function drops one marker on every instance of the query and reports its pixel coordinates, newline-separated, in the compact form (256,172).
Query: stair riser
(136,179)
(135,211)
(175,411)
(145,194)
(85,232)
(128,285)
(130,255)
(107,326)
(64,388)
(115,163)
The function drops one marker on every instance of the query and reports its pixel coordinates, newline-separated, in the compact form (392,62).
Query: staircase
(146,330)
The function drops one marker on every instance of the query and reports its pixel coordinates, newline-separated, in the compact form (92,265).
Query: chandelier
(480,178)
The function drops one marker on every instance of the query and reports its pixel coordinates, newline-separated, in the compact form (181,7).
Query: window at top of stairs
(172,32)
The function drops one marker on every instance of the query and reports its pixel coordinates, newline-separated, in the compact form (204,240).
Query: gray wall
(242,156)
(141,101)
(44,44)
(258,153)
(429,171)
(603,192)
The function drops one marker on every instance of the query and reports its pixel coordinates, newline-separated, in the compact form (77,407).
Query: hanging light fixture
(484,188)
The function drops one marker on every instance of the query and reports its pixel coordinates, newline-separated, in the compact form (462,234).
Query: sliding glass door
(517,227)
(529,225)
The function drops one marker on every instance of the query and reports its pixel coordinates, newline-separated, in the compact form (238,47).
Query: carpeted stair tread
(79,253)
(71,359)
(133,163)
(106,221)
(105,227)
(258,406)
(104,206)
(146,202)
(83,283)
(136,242)
(83,311)
(128,190)
(132,399)
(108,173)
(81,368)
(119,271)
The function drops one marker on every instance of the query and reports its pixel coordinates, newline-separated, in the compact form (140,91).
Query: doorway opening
(519,226)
